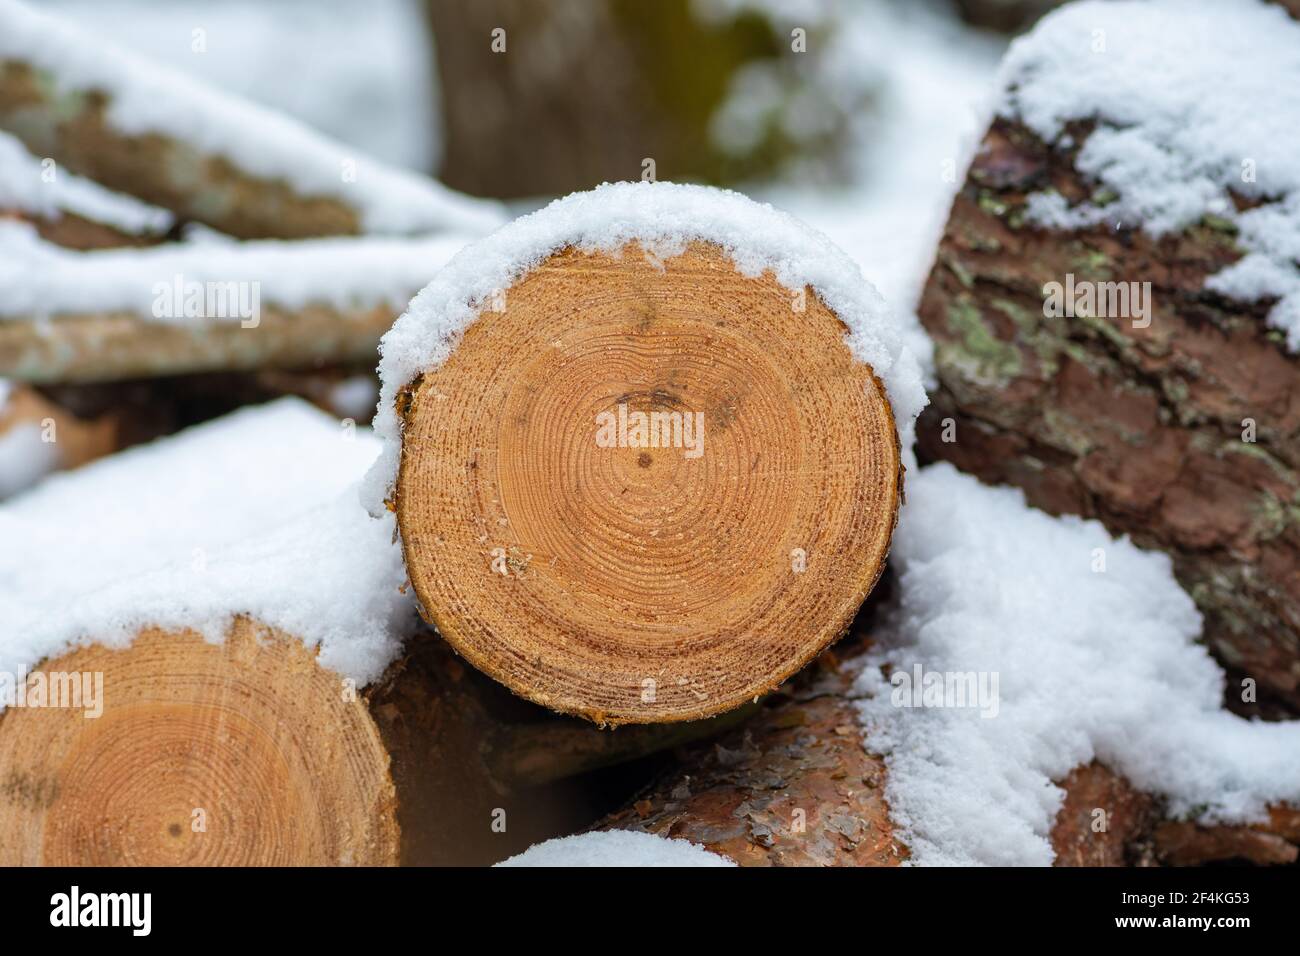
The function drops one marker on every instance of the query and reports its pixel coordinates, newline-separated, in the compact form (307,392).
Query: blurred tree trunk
(577,92)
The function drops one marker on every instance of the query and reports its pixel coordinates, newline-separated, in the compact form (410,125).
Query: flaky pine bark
(249,752)
(1105,821)
(795,786)
(651,578)
(1184,434)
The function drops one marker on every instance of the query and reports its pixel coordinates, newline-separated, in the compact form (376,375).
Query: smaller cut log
(179,751)
(181,308)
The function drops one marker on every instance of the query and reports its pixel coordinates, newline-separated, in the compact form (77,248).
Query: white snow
(621,848)
(29,186)
(664,217)
(24,457)
(148,98)
(1089,664)
(40,279)
(255,513)
(1194,100)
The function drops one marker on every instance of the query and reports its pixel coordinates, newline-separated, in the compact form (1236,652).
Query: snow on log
(69,316)
(232,623)
(641,450)
(619,848)
(70,211)
(1116,305)
(205,155)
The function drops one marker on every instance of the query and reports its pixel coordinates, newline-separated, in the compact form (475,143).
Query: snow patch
(255,513)
(664,217)
(24,457)
(1195,100)
(1091,665)
(617,848)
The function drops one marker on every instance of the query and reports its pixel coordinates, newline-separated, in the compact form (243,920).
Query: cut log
(177,751)
(646,491)
(1089,348)
(798,785)
(181,308)
(196,753)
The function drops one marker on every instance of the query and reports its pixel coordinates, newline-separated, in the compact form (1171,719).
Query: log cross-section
(644,490)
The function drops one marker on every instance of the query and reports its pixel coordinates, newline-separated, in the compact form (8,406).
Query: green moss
(978,350)
(1270,516)
(991,204)
(960,271)
(1093,265)
(1219,224)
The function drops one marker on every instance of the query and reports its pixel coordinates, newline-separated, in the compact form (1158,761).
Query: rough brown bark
(1104,821)
(73,231)
(795,786)
(802,762)
(1140,427)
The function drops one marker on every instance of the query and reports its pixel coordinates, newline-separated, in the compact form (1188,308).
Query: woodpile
(621,561)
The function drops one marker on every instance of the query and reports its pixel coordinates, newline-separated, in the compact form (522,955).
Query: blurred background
(854,115)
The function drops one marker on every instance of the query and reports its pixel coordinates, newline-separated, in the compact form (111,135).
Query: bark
(73,231)
(119,345)
(795,786)
(1105,821)
(1142,428)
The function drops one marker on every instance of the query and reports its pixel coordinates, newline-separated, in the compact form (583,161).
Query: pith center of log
(646,491)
